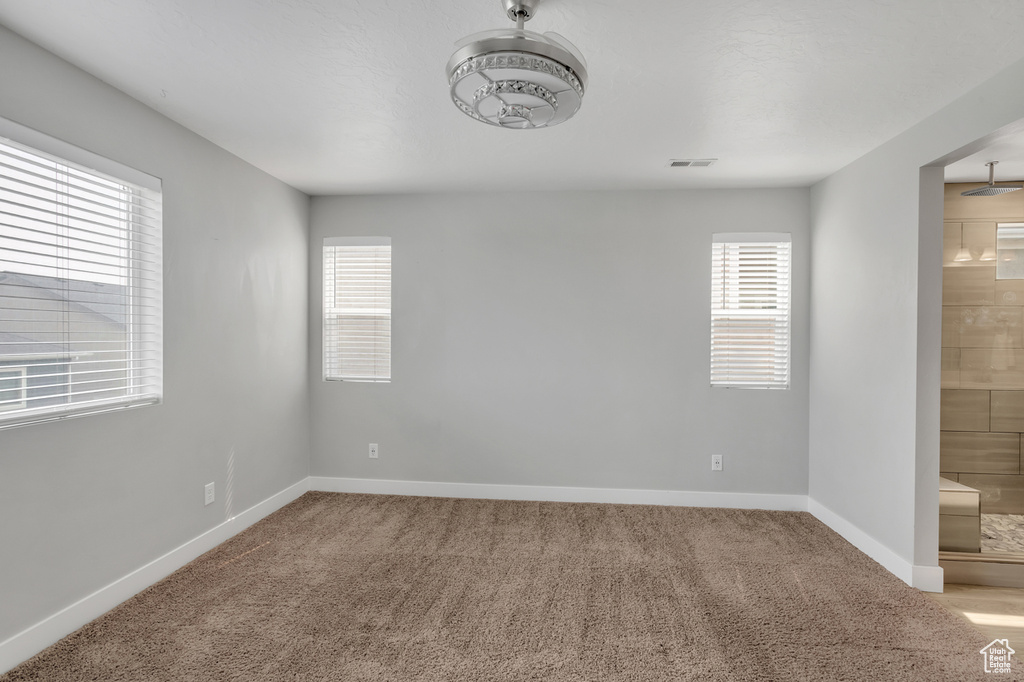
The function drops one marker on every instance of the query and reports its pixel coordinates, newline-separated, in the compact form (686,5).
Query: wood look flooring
(996,612)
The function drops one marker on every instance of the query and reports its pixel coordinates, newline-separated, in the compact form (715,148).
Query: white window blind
(80,284)
(357,308)
(750,301)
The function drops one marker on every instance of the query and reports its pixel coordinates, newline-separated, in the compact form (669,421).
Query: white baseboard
(31,641)
(926,578)
(542,493)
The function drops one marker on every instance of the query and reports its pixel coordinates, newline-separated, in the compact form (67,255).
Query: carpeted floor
(358,587)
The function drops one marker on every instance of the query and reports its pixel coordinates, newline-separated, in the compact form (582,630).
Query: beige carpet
(358,587)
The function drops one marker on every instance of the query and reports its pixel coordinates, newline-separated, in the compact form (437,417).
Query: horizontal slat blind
(750,301)
(357,309)
(80,289)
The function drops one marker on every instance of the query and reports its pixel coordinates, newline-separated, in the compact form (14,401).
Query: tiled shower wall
(982,418)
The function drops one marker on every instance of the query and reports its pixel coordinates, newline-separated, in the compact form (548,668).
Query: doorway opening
(981,496)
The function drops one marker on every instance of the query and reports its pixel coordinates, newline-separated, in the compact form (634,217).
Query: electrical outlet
(716,462)
(373,451)
(209,493)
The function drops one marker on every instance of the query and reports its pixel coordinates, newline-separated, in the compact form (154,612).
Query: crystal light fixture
(514,78)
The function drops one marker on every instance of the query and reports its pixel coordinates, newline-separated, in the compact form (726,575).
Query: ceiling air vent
(690,163)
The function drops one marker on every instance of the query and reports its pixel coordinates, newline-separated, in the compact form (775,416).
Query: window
(1009,255)
(357,309)
(80,281)
(12,388)
(750,310)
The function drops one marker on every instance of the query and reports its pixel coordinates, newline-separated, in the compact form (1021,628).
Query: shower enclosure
(982,410)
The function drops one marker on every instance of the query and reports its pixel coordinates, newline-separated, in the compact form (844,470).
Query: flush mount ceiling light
(991,189)
(513,78)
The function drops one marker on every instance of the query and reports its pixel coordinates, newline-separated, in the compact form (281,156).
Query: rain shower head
(991,189)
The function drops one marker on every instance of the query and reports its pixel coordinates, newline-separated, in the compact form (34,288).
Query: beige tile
(952,476)
(951,233)
(992,368)
(969,285)
(959,533)
(1007,410)
(950,373)
(1009,291)
(979,236)
(965,411)
(983,326)
(958,502)
(979,453)
(999,494)
(951,326)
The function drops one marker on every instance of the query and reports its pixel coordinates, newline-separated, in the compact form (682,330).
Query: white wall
(560,339)
(85,501)
(876,278)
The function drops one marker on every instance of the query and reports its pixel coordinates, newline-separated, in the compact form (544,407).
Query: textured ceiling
(349,96)
(1009,152)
